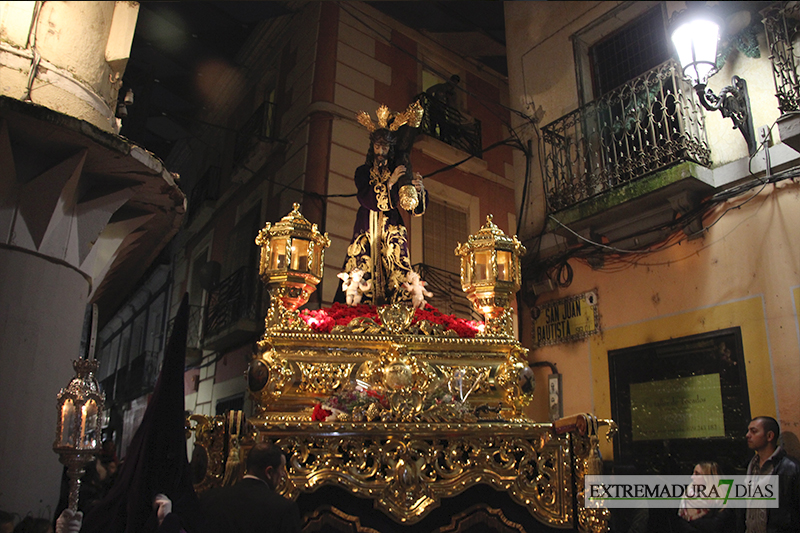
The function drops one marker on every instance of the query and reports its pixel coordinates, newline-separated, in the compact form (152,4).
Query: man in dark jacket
(252,505)
(762,438)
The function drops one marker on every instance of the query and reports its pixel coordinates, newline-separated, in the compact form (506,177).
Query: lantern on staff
(490,275)
(292,256)
(80,415)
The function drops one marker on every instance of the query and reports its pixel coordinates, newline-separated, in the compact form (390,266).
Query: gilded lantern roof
(295,225)
(491,236)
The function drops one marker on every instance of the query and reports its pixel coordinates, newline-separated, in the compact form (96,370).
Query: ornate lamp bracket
(733,102)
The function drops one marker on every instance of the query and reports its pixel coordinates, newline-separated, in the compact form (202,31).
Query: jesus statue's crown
(411,116)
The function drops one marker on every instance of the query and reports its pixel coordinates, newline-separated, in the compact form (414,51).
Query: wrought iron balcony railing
(781,25)
(259,127)
(207,188)
(449,125)
(152,368)
(236,297)
(133,380)
(194,334)
(448,297)
(649,123)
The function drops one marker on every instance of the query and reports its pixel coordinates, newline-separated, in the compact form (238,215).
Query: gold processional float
(400,409)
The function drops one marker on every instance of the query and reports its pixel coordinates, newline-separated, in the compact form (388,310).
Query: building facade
(280,127)
(651,213)
(83,213)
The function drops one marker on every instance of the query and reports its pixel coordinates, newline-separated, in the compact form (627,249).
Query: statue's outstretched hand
(417,181)
(397,174)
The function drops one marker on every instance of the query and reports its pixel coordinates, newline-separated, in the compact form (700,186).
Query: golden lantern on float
(490,275)
(79,425)
(292,256)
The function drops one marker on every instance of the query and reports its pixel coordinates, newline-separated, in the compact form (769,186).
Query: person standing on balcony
(443,109)
(385,182)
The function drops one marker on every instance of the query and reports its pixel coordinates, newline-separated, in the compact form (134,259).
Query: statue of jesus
(385,183)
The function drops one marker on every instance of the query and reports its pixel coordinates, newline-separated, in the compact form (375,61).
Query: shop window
(680,401)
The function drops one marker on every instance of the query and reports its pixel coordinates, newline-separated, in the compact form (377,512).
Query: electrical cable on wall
(620,259)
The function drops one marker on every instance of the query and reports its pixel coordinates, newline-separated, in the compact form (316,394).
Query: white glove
(69,521)
(163,506)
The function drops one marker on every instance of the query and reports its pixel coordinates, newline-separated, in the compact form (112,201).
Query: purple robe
(378,211)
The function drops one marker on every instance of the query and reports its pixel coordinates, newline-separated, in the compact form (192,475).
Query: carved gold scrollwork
(402,371)
(491,519)
(424,327)
(463,381)
(408,475)
(328,518)
(280,317)
(515,377)
(499,326)
(360,326)
(396,317)
(323,378)
(268,375)
(586,460)
(208,460)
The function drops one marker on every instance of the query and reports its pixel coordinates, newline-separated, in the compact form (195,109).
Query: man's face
(276,475)
(756,436)
(381,152)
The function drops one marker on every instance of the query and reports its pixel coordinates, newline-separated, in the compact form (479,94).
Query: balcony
(194,335)
(779,21)
(632,154)
(205,192)
(450,126)
(448,296)
(234,312)
(137,378)
(255,141)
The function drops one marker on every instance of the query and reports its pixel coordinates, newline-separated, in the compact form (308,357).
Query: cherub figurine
(354,285)
(416,288)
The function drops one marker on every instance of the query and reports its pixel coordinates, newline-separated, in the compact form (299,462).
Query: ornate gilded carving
(516,378)
(396,317)
(415,414)
(268,375)
(409,468)
(323,377)
(208,459)
(329,518)
(481,514)
(586,460)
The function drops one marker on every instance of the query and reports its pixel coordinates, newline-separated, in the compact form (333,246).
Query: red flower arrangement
(345,401)
(320,413)
(324,320)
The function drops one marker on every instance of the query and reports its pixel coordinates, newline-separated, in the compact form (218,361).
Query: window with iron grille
(260,127)
(442,228)
(231,403)
(630,51)
(242,251)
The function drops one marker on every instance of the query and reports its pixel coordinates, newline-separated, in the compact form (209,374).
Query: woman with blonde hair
(698,514)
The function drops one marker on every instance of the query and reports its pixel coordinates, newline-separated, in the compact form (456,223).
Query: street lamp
(80,416)
(695,33)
